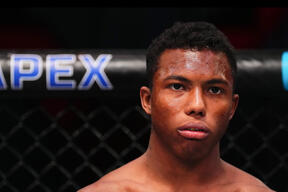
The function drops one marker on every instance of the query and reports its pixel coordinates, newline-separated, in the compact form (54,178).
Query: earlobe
(235,101)
(145,96)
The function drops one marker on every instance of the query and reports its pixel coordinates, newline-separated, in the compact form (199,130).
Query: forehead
(194,62)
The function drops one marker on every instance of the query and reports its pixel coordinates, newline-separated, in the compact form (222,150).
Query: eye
(215,90)
(176,86)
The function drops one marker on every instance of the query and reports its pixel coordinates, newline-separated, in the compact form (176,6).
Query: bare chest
(167,188)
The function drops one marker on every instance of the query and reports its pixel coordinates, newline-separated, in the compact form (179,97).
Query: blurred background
(134,28)
(63,144)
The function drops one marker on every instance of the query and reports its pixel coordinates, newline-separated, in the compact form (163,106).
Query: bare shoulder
(119,185)
(245,182)
(122,179)
(252,188)
(112,182)
(101,186)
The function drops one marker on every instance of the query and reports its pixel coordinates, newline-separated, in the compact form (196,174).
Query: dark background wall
(134,27)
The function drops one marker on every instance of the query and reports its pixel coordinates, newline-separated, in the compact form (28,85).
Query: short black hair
(189,35)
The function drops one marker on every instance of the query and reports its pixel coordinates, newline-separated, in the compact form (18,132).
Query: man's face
(191,102)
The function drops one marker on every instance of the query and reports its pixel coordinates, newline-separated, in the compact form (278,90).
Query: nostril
(199,113)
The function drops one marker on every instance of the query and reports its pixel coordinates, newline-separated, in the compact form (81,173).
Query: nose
(195,105)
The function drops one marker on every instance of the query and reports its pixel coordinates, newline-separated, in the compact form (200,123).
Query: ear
(145,96)
(235,101)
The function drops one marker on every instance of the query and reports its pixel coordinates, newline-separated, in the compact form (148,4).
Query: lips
(193,131)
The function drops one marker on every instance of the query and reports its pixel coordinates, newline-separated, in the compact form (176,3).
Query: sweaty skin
(190,104)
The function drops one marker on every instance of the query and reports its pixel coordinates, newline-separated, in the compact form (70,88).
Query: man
(191,99)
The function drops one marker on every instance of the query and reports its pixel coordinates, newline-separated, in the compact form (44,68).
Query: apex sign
(30,67)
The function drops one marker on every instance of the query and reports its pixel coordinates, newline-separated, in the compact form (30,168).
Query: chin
(194,151)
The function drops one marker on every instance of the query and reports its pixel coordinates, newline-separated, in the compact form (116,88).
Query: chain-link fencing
(62,145)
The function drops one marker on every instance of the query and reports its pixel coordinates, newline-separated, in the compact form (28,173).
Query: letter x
(95,71)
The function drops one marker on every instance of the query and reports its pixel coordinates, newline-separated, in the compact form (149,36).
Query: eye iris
(176,86)
(215,90)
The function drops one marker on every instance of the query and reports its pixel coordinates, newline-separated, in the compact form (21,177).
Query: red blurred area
(263,23)
(18,37)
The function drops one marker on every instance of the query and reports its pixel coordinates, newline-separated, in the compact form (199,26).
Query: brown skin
(189,86)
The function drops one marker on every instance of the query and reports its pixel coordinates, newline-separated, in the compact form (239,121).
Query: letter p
(24,67)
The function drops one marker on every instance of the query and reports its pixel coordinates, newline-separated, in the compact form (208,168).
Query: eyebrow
(209,82)
(217,81)
(179,78)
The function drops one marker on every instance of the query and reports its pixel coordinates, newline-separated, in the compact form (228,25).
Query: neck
(165,167)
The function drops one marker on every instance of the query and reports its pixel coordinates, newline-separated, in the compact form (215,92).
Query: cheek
(164,108)
(221,114)
(171,103)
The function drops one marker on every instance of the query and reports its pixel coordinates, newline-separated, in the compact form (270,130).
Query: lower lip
(196,135)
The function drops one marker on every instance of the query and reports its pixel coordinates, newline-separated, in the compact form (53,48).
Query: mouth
(193,131)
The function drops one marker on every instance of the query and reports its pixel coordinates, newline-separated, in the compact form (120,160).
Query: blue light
(20,74)
(95,72)
(284,67)
(60,66)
